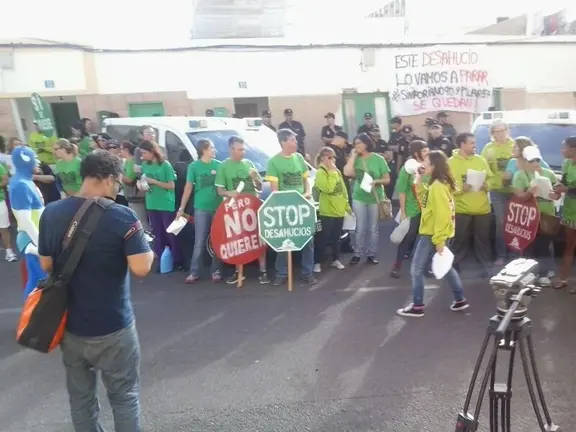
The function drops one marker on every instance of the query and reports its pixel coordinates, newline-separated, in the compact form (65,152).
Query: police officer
(437,140)
(267,119)
(368,123)
(396,143)
(448,130)
(296,127)
(329,131)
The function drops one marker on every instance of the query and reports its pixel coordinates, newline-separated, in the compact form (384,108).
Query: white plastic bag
(400,231)
(441,264)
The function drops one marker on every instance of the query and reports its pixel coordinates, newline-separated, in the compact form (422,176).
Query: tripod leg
(490,371)
(526,366)
(475,373)
(507,401)
(530,343)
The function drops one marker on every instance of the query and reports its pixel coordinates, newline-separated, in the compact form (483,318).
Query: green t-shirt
(405,185)
(230,173)
(289,172)
(569,179)
(203,176)
(522,181)
(43,146)
(498,156)
(129,172)
(158,198)
(69,174)
(85,146)
(3,172)
(376,166)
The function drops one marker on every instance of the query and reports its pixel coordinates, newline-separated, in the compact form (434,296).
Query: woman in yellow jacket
(333,206)
(436,228)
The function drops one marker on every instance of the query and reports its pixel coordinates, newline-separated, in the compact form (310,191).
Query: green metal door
(146,109)
(355,105)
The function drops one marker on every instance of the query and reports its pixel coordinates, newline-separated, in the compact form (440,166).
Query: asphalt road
(329,358)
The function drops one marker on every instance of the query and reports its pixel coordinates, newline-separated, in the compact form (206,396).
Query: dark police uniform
(268,114)
(297,128)
(327,131)
(441,143)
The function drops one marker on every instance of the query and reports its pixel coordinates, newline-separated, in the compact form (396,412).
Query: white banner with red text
(441,78)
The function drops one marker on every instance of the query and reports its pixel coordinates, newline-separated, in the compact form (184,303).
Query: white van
(547,128)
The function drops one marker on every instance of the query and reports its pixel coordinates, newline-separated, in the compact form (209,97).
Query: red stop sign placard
(234,231)
(521,223)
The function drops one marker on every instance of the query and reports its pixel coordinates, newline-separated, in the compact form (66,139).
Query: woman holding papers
(533,181)
(436,228)
(568,188)
(371,174)
(333,205)
(473,213)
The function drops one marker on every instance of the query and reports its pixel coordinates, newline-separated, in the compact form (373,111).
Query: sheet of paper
(475,179)
(544,186)
(366,184)
(349,222)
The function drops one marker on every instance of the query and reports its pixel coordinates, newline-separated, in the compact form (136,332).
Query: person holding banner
(200,177)
(437,227)
(526,188)
(232,172)
(568,188)
(498,153)
(288,171)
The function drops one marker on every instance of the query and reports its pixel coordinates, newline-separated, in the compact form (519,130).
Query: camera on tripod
(506,286)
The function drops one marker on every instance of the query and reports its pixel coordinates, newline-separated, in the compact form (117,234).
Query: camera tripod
(509,329)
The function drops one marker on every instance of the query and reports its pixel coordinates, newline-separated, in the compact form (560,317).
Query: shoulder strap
(75,240)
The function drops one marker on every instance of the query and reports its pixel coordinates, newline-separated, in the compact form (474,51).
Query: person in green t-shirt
(230,174)
(525,189)
(288,171)
(67,167)
(42,145)
(568,187)
(363,162)
(158,181)
(200,178)
(498,153)
(409,205)
(135,197)
(85,142)
(5,216)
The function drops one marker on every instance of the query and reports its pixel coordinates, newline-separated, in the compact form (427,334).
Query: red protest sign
(234,231)
(521,223)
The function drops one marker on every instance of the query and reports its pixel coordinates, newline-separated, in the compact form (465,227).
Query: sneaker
(191,279)
(459,305)
(355,260)
(263,278)
(310,280)
(217,276)
(11,256)
(279,280)
(337,264)
(372,260)
(395,274)
(233,279)
(317,268)
(544,281)
(411,311)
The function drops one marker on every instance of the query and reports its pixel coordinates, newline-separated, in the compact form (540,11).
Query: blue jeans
(307,261)
(366,235)
(202,225)
(420,261)
(499,201)
(117,358)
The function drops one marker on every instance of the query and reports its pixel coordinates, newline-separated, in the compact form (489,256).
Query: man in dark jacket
(437,141)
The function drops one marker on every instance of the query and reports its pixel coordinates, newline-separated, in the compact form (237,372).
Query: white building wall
(33,67)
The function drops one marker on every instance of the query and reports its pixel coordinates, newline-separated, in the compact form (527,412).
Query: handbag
(43,318)
(384,206)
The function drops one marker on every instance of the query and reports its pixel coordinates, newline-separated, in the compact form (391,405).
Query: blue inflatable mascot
(27,206)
